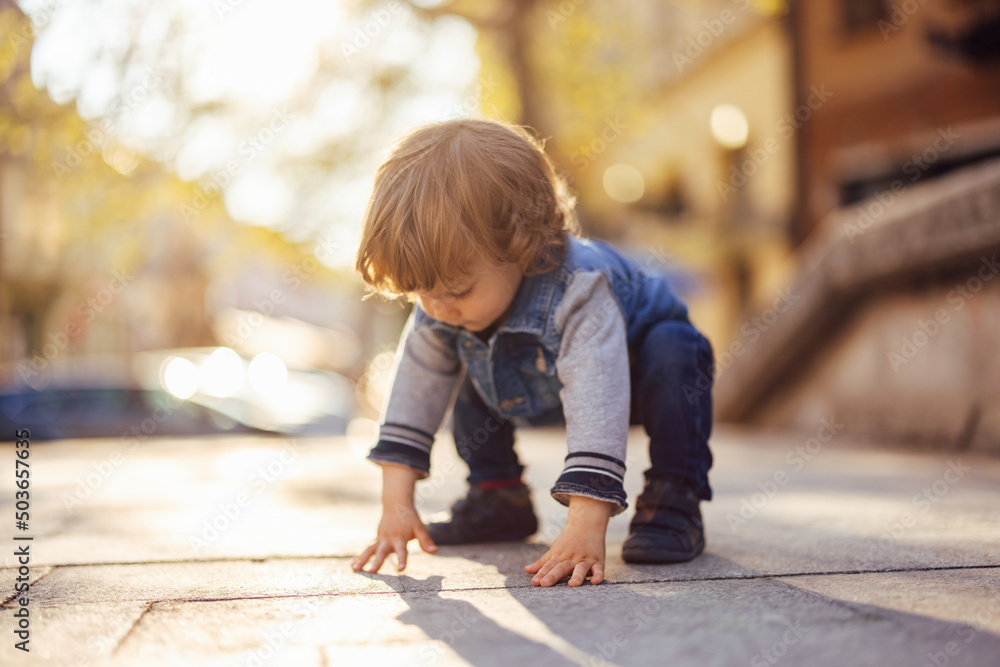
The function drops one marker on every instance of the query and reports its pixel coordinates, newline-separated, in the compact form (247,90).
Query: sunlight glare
(180,377)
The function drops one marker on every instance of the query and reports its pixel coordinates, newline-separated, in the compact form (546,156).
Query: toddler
(520,322)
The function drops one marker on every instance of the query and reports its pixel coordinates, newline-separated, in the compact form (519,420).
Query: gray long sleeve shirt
(565,344)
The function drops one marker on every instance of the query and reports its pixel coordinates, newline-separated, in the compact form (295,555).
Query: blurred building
(122,290)
(155,283)
(911,92)
(892,321)
(703,176)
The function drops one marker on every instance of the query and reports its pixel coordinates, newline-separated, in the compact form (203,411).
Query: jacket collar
(532,304)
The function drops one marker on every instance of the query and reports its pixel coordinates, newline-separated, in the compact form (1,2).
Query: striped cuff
(593,475)
(403,445)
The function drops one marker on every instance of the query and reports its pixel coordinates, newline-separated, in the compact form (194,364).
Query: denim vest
(515,370)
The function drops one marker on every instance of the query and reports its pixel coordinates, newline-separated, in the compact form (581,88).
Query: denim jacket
(563,350)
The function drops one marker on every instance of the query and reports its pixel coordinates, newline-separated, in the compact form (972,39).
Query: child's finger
(598,575)
(380,554)
(546,573)
(556,574)
(424,539)
(534,567)
(400,549)
(362,560)
(579,573)
(542,570)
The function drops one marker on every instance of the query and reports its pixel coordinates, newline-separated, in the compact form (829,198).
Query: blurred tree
(80,205)
(569,70)
(580,74)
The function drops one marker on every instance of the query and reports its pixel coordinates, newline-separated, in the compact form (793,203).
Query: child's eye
(462,295)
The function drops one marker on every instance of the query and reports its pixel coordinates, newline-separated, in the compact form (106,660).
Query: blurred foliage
(568,69)
(562,67)
(105,192)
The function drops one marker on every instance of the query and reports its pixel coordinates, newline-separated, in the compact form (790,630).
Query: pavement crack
(233,559)
(399,587)
(258,559)
(132,628)
(27,590)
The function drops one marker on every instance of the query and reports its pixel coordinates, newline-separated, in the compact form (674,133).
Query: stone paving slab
(967,597)
(201,552)
(161,499)
(8,581)
(72,634)
(210,580)
(841,509)
(698,622)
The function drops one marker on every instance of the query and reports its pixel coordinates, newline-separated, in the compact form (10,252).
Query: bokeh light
(222,373)
(268,374)
(624,183)
(730,126)
(180,377)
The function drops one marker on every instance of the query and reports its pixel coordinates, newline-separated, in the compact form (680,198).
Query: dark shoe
(487,516)
(667,525)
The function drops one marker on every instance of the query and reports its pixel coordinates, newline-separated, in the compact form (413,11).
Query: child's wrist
(585,512)
(397,501)
(398,484)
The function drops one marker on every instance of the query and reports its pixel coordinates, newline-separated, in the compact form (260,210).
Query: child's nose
(449,312)
(443,310)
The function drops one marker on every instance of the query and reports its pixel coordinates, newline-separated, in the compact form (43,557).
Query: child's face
(476,300)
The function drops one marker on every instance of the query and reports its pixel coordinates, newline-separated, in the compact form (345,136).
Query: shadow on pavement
(750,619)
(467,631)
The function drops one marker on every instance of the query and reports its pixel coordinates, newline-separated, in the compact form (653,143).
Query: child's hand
(400,522)
(398,526)
(578,549)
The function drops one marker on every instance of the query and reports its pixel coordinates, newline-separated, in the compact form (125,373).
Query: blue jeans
(671,376)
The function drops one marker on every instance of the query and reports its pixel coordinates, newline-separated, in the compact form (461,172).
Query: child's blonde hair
(458,193)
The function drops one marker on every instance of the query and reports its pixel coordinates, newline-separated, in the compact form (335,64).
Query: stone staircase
(895,324)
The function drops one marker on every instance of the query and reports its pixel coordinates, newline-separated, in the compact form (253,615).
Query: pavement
(822,550)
